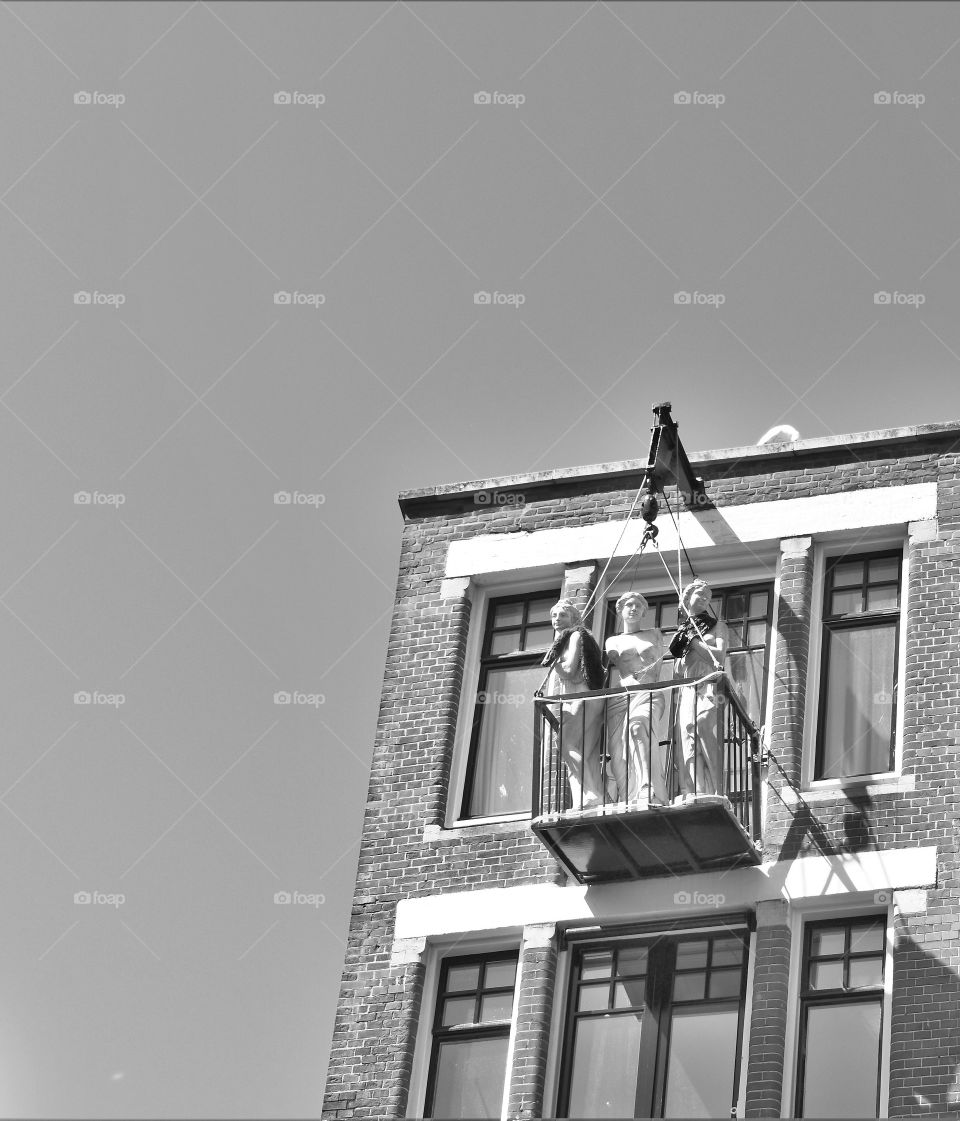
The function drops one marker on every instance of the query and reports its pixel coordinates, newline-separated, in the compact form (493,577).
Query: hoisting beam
(667,464)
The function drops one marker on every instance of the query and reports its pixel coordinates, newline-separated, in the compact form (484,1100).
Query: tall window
(841,1014)
(747,609)
(858,676)
(471,1030)
(654,1027)
(516,635)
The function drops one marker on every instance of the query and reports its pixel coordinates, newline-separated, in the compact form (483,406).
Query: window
(841,1013)
(517,633)
(654,1027)
(858,673)
(748,612)
(471,1030)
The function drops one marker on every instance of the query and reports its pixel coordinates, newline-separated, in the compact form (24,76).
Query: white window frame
(843,907)
(823,551)
(480,597)
(437,952)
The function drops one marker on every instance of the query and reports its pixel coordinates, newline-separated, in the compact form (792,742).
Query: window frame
(831,625)
(658,1010)
(807,998)
(850,546)
(486,662)
(437,1034)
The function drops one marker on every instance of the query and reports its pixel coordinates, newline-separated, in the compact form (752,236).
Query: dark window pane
(459,1010)
(689,986)
(727,951)
(827,940)
(502,762)
(470,1077)
(847,573)
(724,983)
(735,607)
(595,966)
(508,615)
(746,672)
(865,971)
(692,955)
(826,975)
(858,707)
(759,603)
(539,610)
(883,599)
(497,1006)
(594,998)
(538,638)
(700,1068)
(865,939)
(632,960)
(668,616)
(757,634)
(500,974)
(505,642)
(842,1061)
(462,977)
(846,603)
(606,1055)
(884,568)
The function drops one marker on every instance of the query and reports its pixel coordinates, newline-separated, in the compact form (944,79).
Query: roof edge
(718,456)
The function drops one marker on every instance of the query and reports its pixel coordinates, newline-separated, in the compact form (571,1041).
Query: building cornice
(426,501)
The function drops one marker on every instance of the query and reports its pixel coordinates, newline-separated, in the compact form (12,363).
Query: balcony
(603,821)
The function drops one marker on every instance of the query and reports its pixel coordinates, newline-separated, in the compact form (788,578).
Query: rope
(588,606)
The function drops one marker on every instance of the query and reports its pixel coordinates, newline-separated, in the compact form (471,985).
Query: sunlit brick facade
(817,978)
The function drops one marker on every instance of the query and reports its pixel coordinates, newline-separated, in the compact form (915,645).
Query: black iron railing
(646,746)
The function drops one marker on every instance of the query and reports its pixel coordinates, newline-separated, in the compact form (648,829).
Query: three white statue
(638,742)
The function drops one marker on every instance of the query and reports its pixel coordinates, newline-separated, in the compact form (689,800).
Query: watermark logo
(97,498)
(112,100)
(885,97)
(699,899)
(514,100)
(113,700)
(99,299)
(700,299)
(714,100)
(299,898)
(503,299)
(115,899)
(298,498)
(513,700)
(883,698)
(295,97)
(498,498)
(882,898)
(299,299)
(313,700)
(899,299)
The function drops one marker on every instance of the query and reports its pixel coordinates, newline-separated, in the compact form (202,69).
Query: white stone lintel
(751,522)
(804,880)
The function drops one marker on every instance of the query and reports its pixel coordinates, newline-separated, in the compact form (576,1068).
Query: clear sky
(181,164)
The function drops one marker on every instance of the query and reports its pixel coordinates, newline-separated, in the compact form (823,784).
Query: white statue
(635,720)
(700,646)
(576,665)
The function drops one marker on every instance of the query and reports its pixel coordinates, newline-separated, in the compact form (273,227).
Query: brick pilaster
(785,736)
(536,980)
(768,1019)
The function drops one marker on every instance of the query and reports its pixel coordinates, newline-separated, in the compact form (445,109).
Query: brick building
(786,948)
